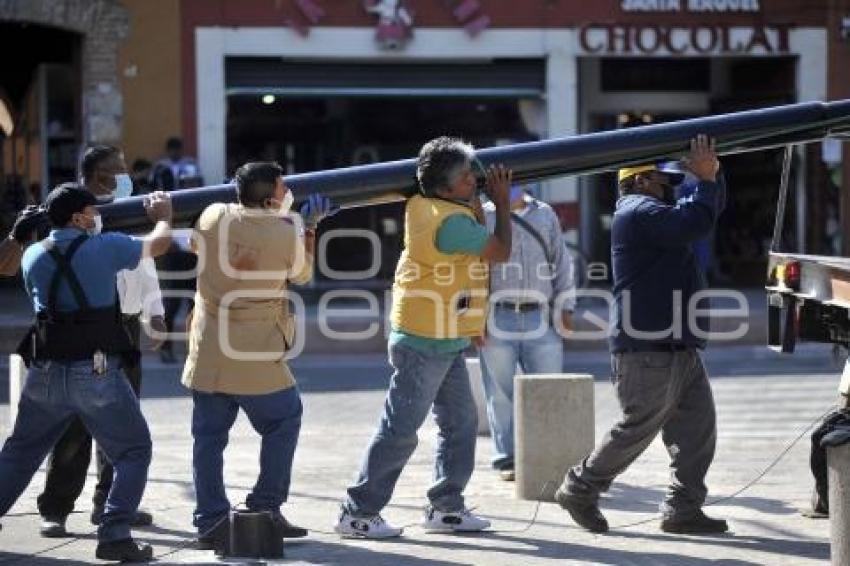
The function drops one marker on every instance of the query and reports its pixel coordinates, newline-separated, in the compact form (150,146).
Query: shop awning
(508,78)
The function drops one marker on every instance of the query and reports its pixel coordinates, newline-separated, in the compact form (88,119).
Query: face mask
(98,226)
(123,186)
(286,204)
(668,194)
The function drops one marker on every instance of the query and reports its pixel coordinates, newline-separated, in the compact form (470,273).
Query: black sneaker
(697,523)
(287,529)
(586,515)
(140,519)
(217,538)
(125,550)
(53,527)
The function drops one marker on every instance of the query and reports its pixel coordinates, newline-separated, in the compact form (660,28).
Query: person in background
(176,170)
(532,296)
(140,172)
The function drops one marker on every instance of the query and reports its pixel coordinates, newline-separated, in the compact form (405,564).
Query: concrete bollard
(473,367)
(838,461)
(17,377)
(554,429)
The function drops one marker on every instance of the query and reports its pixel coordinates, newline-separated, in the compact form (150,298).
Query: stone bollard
(17,377)
(553,429)
(838,460)
(473,367)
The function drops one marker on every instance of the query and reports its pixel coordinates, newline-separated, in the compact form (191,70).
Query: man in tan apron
(238,335)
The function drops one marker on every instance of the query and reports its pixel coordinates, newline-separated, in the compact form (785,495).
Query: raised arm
(158,241)
(498,246)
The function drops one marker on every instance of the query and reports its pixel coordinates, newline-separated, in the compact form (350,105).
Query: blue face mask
(123,186)
(516,193)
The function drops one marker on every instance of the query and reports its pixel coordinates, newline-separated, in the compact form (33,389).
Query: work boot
(53,527)
(140,519)
(696,523)
(819,508)
(216,538)
(287,529)
(125,550)
(586,515)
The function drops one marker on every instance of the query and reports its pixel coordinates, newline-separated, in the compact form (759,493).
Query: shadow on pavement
(579,552)
(13,558)
(320,552)
(624,497)
(783,547)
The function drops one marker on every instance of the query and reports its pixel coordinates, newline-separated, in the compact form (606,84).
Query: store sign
(626,39)
(694,6)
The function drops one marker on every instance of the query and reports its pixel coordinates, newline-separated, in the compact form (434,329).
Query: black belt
(519,307)
(656,348)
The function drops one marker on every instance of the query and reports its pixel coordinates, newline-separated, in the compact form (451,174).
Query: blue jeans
(535,353)
(53,396)
(420,381)
(277,419)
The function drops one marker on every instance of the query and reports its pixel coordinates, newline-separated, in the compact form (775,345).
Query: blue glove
(315,209)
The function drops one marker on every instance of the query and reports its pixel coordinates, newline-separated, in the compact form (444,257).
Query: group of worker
(83,349)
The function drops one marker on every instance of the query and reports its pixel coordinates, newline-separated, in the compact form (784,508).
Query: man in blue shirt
(75,349)
(660,380)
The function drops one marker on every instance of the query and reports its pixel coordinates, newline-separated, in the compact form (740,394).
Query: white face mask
(98,226)
(286,204)
(92,230)
(123,186)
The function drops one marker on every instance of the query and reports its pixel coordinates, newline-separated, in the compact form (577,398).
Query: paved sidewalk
(763,404)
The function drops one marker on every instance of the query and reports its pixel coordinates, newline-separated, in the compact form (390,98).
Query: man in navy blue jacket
(660,380)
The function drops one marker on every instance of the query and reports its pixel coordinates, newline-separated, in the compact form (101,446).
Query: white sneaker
(365,527)
(464,521)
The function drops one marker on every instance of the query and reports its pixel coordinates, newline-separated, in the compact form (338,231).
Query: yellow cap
(627,172)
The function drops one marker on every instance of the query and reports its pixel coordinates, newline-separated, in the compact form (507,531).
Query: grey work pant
(657,391)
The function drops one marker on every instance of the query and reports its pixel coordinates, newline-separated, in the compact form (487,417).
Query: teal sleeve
(460,234)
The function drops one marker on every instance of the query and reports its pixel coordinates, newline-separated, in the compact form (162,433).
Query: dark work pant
(666,392)
(175,292)
(69,460)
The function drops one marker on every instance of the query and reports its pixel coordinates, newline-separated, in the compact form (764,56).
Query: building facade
(316,84)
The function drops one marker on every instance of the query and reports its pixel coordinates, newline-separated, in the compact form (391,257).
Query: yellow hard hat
(673,170)
(628,172)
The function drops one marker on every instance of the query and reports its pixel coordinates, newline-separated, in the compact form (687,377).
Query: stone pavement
(764,402)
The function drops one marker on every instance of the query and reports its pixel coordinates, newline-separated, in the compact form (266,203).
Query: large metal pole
(363,185)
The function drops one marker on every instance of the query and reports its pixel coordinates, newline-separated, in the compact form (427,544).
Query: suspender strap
(64,269)
(533,231)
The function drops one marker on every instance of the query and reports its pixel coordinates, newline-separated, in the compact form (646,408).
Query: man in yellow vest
(239,332)
(439,308)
